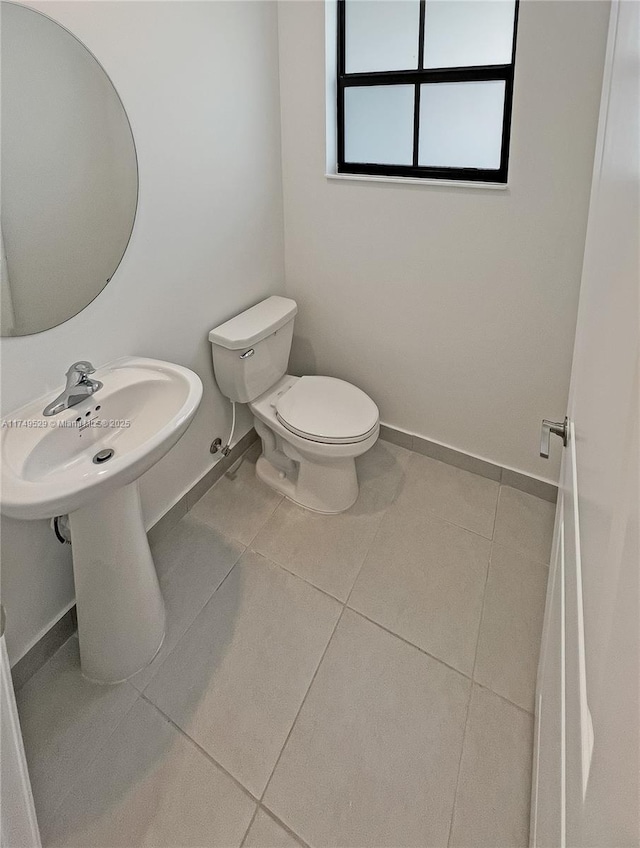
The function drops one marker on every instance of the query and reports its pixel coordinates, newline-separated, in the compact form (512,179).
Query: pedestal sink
(85,462)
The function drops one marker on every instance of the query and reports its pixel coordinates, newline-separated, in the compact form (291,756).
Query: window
(424,88)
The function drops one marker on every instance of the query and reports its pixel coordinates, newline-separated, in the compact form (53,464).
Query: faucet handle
(78,373)
(81,367)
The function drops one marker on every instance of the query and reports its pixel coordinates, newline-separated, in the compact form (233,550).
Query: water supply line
(216,443)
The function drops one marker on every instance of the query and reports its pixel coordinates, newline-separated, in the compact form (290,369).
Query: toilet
(312,428)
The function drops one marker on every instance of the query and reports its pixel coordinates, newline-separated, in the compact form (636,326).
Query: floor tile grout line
(277,564)
(468,713)
(484,601)
(185,631)
(375,535)
(302,703)
(273,817)
(495,513)
(282,824)
(451,523)
(367,552)
(249,826)
(464,739)
(200,611)
(521,552)
(473,674)
(225,537)
(183,733)
(410,644)
(266,521)
(509,703)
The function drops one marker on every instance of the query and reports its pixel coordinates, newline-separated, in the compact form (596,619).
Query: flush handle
(558,429)
(247,353)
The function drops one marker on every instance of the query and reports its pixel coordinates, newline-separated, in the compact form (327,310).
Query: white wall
(68,171)
(200,84)
(454,308)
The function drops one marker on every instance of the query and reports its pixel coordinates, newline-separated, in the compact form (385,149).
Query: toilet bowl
(311,428)
(306,454)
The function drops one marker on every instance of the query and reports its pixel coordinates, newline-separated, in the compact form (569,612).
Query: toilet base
(329,488)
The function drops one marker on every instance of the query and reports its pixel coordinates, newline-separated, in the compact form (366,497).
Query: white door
(586,782)
(18,823)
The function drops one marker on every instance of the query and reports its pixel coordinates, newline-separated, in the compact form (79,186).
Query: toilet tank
(251,351)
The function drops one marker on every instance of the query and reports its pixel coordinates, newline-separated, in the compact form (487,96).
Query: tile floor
(361,680)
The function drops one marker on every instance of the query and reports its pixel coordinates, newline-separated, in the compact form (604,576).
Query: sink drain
(103,456)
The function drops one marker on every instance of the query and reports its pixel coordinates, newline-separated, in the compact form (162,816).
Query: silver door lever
(555,427)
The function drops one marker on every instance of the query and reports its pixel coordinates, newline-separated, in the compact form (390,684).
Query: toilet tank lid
(254,324)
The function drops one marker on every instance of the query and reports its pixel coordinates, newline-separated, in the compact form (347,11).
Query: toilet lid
(325,409)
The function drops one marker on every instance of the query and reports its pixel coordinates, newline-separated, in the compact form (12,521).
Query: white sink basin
(140,412)
(48,469)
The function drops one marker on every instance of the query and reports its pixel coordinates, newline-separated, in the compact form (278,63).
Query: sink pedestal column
(120,607)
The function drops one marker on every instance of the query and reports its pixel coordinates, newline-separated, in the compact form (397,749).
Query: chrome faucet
(78,388)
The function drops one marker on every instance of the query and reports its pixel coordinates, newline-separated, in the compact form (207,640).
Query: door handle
(558,429)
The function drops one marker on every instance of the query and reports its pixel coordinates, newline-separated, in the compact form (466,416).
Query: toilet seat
(327,410)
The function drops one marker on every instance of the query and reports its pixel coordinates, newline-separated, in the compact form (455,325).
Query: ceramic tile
(511,628)
(65,720)
(525,523)
(239,504)
(458,496)
(267,833)
(328,550)
(492,801)
(237,678)
(193,562)
(193,541)
(150,787)
(373,756)
(424,580)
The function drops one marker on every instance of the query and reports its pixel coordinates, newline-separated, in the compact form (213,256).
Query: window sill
(370,178)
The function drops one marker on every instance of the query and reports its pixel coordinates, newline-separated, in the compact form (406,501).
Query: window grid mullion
(416,123)
(421,34)
(471,73)
(416,94)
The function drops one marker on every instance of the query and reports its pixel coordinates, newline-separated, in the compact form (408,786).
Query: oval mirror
(69,174)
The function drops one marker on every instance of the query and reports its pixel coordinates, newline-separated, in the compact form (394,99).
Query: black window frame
(472,73)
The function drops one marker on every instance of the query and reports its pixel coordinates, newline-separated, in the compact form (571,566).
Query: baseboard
(59,632)
(507,476)
(44,648)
